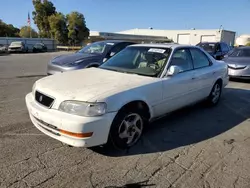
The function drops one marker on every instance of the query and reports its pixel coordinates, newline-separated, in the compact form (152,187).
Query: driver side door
(179,90)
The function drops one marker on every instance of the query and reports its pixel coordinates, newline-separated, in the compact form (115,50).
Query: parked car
(238,62)
(39,47)
(216,49)
(91,55)
(3,49)
(113,103)
(18,46)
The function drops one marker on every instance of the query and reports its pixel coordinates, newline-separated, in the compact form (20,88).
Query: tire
(214,96)
(126,129)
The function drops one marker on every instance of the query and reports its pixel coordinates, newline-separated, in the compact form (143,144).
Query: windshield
(240,53)
(209,47)
(16,43)
(139,60)
(95,48)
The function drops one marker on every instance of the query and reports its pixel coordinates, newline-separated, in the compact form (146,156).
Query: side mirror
(112,54)
(104,59)
(173,70)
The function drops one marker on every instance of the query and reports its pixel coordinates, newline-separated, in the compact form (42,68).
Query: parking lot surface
(194,147)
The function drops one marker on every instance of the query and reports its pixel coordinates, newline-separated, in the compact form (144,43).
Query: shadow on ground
(4,54)
(31,76)
(134,185)
(240,80)
(190,125)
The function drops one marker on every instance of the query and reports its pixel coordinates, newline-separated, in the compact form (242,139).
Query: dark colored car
(238,61)
(40,47)
(215,49)
(91,55)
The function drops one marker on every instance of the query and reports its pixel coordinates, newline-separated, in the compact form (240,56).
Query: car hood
(65,60)
(89,84)
(244,61)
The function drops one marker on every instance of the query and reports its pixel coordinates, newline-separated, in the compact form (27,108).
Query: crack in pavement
(236,181)
(46,180)
(21,179)
(90,180)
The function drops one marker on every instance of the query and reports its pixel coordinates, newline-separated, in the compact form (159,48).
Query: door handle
(193,78)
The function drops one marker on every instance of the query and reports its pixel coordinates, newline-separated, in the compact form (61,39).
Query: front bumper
(56,124)
(15,50)
(239,73)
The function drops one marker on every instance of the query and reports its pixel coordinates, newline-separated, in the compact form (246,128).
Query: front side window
(182,59)
(118,48)
(140,60)
(199,58)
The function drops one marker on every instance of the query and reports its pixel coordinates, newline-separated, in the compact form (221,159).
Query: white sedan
(113,103)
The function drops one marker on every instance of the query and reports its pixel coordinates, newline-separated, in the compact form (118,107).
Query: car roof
(157,45)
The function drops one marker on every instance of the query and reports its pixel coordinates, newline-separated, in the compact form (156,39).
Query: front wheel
(214,97)
(126,129)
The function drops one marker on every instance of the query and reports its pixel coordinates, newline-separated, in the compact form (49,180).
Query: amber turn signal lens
(78,135)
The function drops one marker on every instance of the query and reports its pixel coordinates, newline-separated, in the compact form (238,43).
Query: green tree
(43,9)
(25,32)
(77,28)
(58,28)
(8,30)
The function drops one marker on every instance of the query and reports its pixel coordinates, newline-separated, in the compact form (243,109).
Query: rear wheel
(126,129)
(215,94)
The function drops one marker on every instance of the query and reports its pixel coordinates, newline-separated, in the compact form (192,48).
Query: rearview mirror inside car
(173,70)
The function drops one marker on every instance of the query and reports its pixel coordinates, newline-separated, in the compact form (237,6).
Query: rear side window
(119,47)
(199,58)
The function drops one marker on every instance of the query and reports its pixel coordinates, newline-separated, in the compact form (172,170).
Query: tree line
(66,29)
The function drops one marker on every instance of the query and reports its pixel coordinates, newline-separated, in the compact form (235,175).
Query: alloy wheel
(216,93)
(130,129)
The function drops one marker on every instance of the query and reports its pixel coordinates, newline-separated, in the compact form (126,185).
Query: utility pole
(29,24)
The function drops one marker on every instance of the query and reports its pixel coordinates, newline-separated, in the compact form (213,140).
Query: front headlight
(79,61)
(83,108)
(75,63)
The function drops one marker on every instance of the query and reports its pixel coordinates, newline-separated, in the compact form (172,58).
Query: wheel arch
(93,65)
(220,81)
(139,104)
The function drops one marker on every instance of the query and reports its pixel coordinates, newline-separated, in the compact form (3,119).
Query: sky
(119,15)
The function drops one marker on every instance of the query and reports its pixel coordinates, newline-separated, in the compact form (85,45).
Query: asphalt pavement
(194,147)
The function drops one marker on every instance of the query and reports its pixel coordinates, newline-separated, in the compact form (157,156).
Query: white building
(192,37)
(242,40)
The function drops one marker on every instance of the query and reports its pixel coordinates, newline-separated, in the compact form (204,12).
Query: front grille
(15,48)
(45,126)
(236,67)
(43,99)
